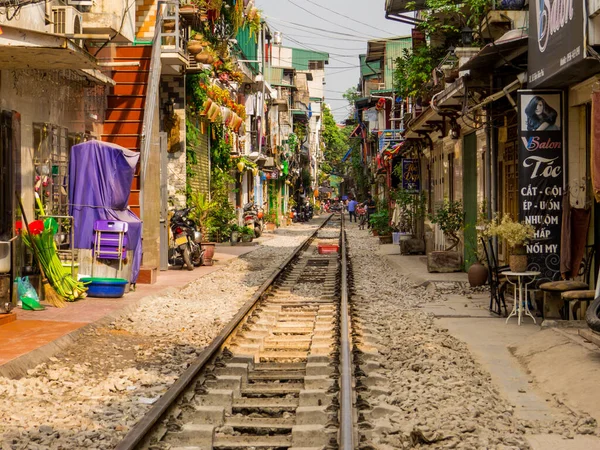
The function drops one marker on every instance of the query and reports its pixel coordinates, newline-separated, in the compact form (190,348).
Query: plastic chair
(110,241)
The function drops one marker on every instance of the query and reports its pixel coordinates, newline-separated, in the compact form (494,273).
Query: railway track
(279,376)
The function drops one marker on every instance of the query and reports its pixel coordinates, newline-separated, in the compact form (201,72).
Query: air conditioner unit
(66,20)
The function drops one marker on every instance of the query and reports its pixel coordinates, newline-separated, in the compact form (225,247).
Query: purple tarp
(100,177)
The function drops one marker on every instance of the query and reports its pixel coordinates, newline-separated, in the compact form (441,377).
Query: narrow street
(299,224)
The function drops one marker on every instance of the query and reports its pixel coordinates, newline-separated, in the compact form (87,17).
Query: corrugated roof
(368,69)
(394,50)
(301,57)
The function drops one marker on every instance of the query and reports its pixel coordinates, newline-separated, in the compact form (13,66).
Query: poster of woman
(540,112)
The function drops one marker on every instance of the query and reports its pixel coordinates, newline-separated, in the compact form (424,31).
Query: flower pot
(375,233)
(270,226)
(234,237)
(517,263)
(477,274)
(247,238)
(195,47)
(204,58)
(209,252)
(386,239)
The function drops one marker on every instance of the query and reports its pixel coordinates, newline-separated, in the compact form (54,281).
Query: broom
(50,295)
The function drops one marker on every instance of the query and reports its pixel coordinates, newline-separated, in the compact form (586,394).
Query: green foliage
(293,142)
(447,17)
(247,231)
(413,70)
(200,207)
(336,143)
(380,222)
(450,217)
(220,150)
(412,208)
(222,214)
(351,95)
(196,90)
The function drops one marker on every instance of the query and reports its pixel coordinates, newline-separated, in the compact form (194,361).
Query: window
(316,65)
(51,159)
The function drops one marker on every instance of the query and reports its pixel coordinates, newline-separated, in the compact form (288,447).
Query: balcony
(498,22)
(173,41)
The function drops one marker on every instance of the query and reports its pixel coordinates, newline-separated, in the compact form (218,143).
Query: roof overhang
(402,6)
(499,53)
(27,49)
(375,50)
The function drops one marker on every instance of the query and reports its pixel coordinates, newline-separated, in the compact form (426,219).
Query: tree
(335,140)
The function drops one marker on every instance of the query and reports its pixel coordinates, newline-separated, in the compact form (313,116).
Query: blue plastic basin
(105,287)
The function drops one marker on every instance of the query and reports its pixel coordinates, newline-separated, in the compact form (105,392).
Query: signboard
(541,177)
(556,38)
(411,175)
(418,38)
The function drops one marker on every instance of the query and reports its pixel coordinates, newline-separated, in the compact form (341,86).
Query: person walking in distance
(352,208)
(371,208)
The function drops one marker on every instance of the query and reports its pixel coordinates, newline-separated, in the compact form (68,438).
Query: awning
(347,155)
(27,49)
(375,50)
(510,46)
(402,6)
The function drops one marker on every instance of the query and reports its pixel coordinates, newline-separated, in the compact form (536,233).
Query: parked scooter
(253,218)
(185,249)
(310,212)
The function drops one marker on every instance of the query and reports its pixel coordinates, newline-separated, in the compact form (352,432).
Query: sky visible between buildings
(338,27)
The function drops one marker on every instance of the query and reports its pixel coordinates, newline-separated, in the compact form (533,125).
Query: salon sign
(542,177)
(556,38)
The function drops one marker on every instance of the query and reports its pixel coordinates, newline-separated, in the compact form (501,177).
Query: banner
(541,177)
(556,39)
(411,175)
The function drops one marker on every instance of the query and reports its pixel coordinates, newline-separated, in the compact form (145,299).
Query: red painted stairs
(125,109)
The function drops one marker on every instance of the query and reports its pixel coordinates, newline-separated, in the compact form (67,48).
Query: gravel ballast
(427,390)
(90,395)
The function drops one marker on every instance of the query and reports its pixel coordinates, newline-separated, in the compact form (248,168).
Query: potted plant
(235,234)
(200,208)
(449,217)
(408,214)
(380,226)
(516,235)
(271,221)
(247,234)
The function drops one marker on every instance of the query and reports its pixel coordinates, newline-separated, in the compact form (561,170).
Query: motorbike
(253,218)
(185,249)
(310,212)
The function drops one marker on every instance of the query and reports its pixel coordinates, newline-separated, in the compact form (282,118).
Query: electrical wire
(315,50)
(345,38)
(339,33)
(347,17)
(319,17)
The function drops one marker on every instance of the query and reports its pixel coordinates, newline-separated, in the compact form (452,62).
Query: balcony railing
(173,37)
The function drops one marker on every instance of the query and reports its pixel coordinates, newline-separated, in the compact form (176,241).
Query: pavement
(534,368)
(37,335)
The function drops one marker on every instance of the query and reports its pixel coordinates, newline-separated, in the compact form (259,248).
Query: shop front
(556,140)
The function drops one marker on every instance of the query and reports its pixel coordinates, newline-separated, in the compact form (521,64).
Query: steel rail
(346,405)
(137,434)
